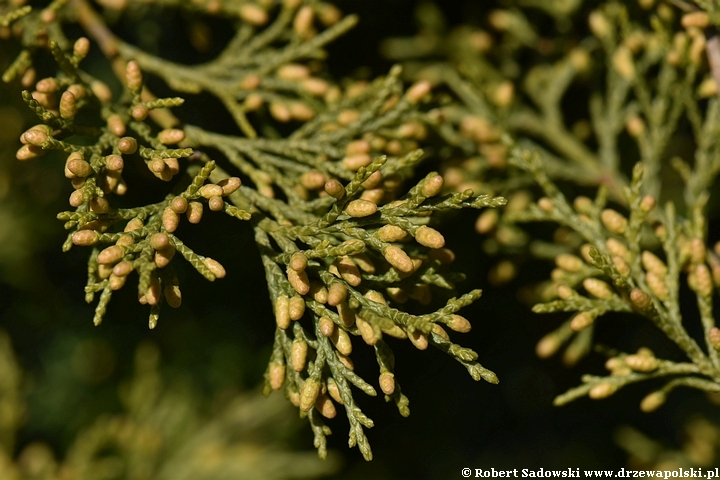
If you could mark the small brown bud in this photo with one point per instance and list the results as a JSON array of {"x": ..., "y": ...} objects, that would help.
[
  {"x": 170, "y": 136},
  {"x": 429, "y": 237},
  {"x": 114, "y": 163},
  {"x": 194, "y": 212},
  {"x": 282, "y": 311},
  {"x": 179, "y": 205},
  {"x": 170, "y": 220},
  {"x": 545, "y": 204},
  {"x": 293, "y": 71},
  {"x": 298, "y": 262},
  {"x": 140, "y": 112},
  {"x": 581, "y": 321},
  {"x": 641, "y": 363},
  {"x": 76, "y": 198},
  {"x": 229, "y": 185},
  {"x": 698, "y": 252},
  {"x": 348, "y": 270},
  {"x": 583, "y": 204},
  {"x": 569, "y": 262},
  {"x": 635, "y": 126},
  {"x": 657, "y": 286},
  {"x": 602, "y": 390},
  {"x": 68, "y": 105},
  {"x": 504, "y": 94},
  {"x": 486, "y": 221},
  {"x": 621, "y": 265},
  {"x": 296, "y": 307},
  {"x": 597, "y": 288},
  {"x": 336, "y": 294},
  {"x": 613, "y": 221},
  {"x": 366, "y": 331},
  {"x": 309, "y": 393},
  {"x": 215, "y": 267},
  {"x": 547, "y": 346},
  {"x": 253, "y": 14},
  {"x": 346, "y": 117},
  {"x": 134, "y": 224},
  {"x": 164, "y": 168},
  {"x": 640, "y": 299},
  {"x": 354, "y": 162},
  {"x": 652, "y": 401},
  {"x": 116, "y": 283},
  {"x": 111, "y": 255},
  {"x": 47, "y": 85},
  {"x": 104, "y": 271},
  {"x": 301, "y": 111},
  {"x": 81, "y": 47},
  {"x": 391, "y": 233},
  {"x": 133, "y": 76},
  {"x": 616, "y": 247},
  {"x": 341, "y": 340},
  {"x": 357, "y": 147},
  {"x": 328, "y": 14},
  {"x": 318, "y": 292},
  {"x": 419, "y": 339},
  {"x": 374, "y": 195},
  {"x": 459, "y": 323},
  {"x": 326, "y": 326},
  {"x": 276, "y": 375},
  {"x": 653, "y": 264},
  {"x": 315, "y": 86},
  {"x": 703, "y": 280},
  {"x": 398, "y": 258},
  {"x": 253, "y": 102},
  {"x": 85, "y": 238},
  {"x": 360, "y": 208},
  {"x": 335, "y": 189},
  {"x": 334, "y": 391},
  {"x": 216, "y": 204},
  {"x": 160, "y": 241},
  {"x": 376, "y": 297},
  {"x": 101, "y": 91},
  {"x": 280, "y": 111},
  {"x": 127, "y": 145},
  {"x": 418, "y": 91},
  {"x": 714, "y": 337},
  {"x": 37, "y": 135},
  {"x": 125, "y": 241},
  {"x": 78, "y": 167},
  {"x": 313, "y": 180},
  {"x": 325, "y": 406},
  {"x": 564, "y": 292},
  {"x": 387, "y": 383},
  {"x": 346, "y": 314},
  {"x": 122, "y": 269},
  {"x": 28, "y": 152},
  {"x": 437, "y": 329},
  {"x": 99, "y": 205},
  {"x": 647, "y": 203},
  {"x": 303, "y": 21},
  {"x": 298, "y": 355},
  {"x": 210, "y": 190},
  {"x": 697, "y": 19},
  {"x": 395, "y": 331}
]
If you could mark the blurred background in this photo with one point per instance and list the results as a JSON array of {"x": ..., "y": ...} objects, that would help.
[{"x": 185, "y": 395}]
